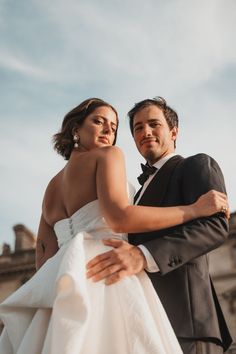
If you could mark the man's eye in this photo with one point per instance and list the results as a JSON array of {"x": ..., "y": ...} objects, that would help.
[{"x": 137, "y": 128}]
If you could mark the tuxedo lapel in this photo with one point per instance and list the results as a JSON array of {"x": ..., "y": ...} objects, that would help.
[
  {"x": 137, "y": 194},
  {"x": 156, "y": 190}
]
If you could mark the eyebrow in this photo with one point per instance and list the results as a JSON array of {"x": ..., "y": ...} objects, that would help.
[
  {"x": 100, "y": 116},
  {"x": 151, "y": 120}
]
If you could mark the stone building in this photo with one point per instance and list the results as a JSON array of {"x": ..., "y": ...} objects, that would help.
[{"x": 18, "y": 266}]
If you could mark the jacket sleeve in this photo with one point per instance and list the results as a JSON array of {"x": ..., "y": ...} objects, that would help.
[{"x": 183, "y": 243}]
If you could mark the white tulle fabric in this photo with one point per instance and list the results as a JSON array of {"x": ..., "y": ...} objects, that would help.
[{"x": 59, "y": 311}]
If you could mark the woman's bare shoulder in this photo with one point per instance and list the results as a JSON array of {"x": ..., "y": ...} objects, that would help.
[
  {"x": 54, "y": 181},
  {"x": 109, "y": 152},
  {"x": 51, "y": 188}
]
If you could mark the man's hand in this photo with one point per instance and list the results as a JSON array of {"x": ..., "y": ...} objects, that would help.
[{"x": 124, "y": 260}]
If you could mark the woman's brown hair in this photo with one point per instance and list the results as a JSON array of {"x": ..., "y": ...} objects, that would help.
[{"x": 63, "y": 140}]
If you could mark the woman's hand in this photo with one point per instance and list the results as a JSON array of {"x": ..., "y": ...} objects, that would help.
[{"x": 211, "y": 203}]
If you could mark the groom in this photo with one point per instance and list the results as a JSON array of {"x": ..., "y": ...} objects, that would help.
[{"x": 175, "y": 258}]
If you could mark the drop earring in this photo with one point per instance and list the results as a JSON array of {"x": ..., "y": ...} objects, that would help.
[{"x": 76, "y": 141}]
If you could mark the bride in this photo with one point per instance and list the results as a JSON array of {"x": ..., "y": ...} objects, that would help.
[{"x": 59, "y": 310}]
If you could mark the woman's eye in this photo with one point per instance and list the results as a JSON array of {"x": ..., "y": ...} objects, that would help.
[{"x": 97, "y": 121}]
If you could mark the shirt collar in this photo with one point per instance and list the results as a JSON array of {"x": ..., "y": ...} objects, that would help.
[{"x": 163, "y": 160}]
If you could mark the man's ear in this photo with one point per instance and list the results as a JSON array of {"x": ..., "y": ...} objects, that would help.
[{"x": 174, "y": 133}]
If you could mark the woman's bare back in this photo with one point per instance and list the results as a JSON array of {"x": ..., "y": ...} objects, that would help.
[{"x": 72, "y": 188}]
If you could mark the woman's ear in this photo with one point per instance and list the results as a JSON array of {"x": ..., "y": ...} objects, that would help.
[{"x": 75, "y": 130}]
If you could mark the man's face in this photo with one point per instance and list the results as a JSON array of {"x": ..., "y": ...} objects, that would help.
[{"x": 152, "y": 135}]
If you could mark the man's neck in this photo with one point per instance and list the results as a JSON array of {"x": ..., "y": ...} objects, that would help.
[{"x": 164, "y": 156}]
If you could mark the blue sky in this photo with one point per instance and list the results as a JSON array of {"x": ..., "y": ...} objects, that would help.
[{"x": 54, "y": 54}]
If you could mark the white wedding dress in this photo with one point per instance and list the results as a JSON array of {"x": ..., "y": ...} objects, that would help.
[{"x": 59, "y": 311}]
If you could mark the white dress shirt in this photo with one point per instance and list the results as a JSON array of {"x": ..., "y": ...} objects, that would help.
[{"x": 151, "y": 264}]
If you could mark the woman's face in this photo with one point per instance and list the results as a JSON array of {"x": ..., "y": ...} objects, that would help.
[{"x": 98, "y": 129}]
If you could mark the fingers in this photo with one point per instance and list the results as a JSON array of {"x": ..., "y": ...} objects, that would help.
[
  {"x": 99, "y": 258},
  {"x": 228, "y": 214},
  {"x": 225, "y": 209},
  {"x": 221, "y": 202},
  {"x": 100, "y": 268},
  {"x": 104, "y": 256},
  {"x": 107, "y": 272},
  {"x": 107, "y": 263},
  {"x": 123, "y": 260},
  {"x": 114, "y": 278},
  {"x": 217, "y": 194},
  {"x": 113, "y": 242}
]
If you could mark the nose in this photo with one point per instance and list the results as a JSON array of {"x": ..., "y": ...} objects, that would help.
[
  {"x": 147, "y": 130},
  {"x": 107, "y": 129}
]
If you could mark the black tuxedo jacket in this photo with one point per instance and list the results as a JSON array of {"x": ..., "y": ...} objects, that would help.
[{"x": 183, "y": 283}]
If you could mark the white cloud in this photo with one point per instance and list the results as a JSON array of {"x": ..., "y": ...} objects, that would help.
[
  {"x": 12, "y": 62},
  {"x": 190, "y": 40}
]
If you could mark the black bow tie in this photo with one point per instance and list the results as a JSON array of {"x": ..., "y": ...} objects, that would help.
[{"x": 147, "y": 171}]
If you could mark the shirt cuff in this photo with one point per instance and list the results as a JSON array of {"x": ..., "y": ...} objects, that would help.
[{"x": 152, "y": 267}]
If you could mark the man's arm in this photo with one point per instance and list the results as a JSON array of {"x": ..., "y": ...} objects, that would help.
[
  {"x": 180, "y": 244},
  {"x": 185, "y": 242}
]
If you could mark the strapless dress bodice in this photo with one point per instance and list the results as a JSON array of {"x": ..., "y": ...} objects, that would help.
[{"x": 87, "y": 220}]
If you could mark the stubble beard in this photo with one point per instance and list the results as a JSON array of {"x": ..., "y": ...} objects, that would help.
[{"x": 152, "y": 156}]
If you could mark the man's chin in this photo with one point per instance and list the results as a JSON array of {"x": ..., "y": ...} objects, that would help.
[{"x": 151, "y": 156}]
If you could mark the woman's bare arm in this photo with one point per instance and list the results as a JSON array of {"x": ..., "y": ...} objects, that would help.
[
  {"x": 122, "y": 217},
  {"x": 46, "y": 246}
]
